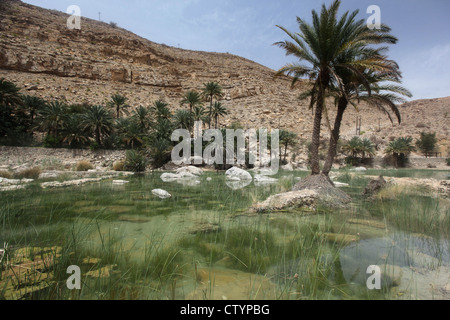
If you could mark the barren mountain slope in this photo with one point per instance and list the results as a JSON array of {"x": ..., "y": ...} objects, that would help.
[{"x": 39, "y": 53}]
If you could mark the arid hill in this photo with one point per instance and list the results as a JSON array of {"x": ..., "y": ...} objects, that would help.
[{"x": 40, "y": 54}]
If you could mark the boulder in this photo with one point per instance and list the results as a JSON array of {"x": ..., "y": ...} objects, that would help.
[
  {"x": 163, "y": 194},
  {"x": 288, "y": 167},
  {"x": 235, "y": 173},
  {"x": 360, "y": 169},
  {"x": 306, "y": 199},
  {"x": 375, "y": 186},
  {"x": 190, "y": 169},
  {"x": 49, "y": 175}
]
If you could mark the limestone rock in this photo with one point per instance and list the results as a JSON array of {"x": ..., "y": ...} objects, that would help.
[
  {"x": 235, "y": 173},
  {"x": 306, "y": 199},
  {"x": 163, "y": 194}
]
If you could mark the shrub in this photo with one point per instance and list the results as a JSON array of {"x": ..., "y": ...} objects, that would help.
[
  {"x": 448, "y": 161},
  {"x": 427, "y": 142},
  {"x": 135, "y": 161},
  {"x": 84, "y": 166},
  {"x": 119, "y": 166},
  {"x": 51, "y": 141},
  {"x": 29, "y": 173},
  {"x": 5, "y": 174}
]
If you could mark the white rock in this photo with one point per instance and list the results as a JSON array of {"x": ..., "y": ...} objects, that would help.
[
  {"x": 288, "y": 167},
  {"x": 190, "y": 169},
  {"x": 120, "y": 182},
  {"x": 48, "y": 175},
  {"x": 169, "y": 177},
  {"x": 209, "y": 179},
  {"x": 260, "y": 179},
  {"x": 340, "y": 184},
  {"x": 163, "y": 194},
  {"x": 360, "y": 169},
  {"x": 235, "y": 172}
]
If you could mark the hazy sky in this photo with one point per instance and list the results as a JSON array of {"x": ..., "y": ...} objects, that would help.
[{"x": 247, "y": 28}]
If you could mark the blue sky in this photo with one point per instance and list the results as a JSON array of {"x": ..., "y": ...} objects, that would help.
[{"x": 247, "y": 28}]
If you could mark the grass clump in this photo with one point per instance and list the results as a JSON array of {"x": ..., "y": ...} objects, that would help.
[
  {"x": 119, "y": 166},
  {"x": 29, "y": 173},
  {"x": 84, "y": 166},
  {"x": 135, "y": 161},
  {"x": 5, "y": 174}
]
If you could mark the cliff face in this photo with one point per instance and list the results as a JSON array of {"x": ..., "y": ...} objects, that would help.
[{"x": 39, "y": 53}]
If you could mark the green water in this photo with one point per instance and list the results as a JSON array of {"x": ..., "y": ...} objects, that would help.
[{"x": 204, "y": 243}]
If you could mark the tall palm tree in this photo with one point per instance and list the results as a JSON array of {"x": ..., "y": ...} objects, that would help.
[
  {"x": 182, "y": 119},
  {"x": 192, "y": 99},
  {"x": 212, "y": 90},
  {"x": 382, "y": 91},
  {"x": 218, "y": 110},
  {"x": 325, "y": 49},
  {"x": 99, "y": 121},
  {"x": 119, "y": 103},
  {"x": 52, "y": 117}
]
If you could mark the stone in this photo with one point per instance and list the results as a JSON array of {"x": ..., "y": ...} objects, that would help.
[
  {"x": 375, "y": 186},
  {"x": 163, "y": 194},
  {"x": 261, "y": 180},
  {"x": 120, "y": 182},
  {"x": 287, "y": 167},
  {"x": 360, "y": 169},
  {"x": 190, "y": 169},
  {"x": 48, "y": 175},
  {"x": 306, "y": 199},
  {"x": 235, "y": 173}
]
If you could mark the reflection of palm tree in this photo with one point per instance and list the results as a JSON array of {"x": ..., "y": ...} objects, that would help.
[
  {"x": 218, "y": 110},
  {"x": 332, "y": 47},
  {"x": 99, "y": 121},
  {"x": 212, "y": 90}
]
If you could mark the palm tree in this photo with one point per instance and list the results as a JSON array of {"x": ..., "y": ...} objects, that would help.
[
  {"x": 9, "y": 94},
  {"x": 193, "y": 99},
  {"x": 133, "y": 135},
  {"x": 73, "y": 133},
  {"x": 182, "y": 119},
  {"x": 218, "y": 110},
  {"x": 119, "y": 103},
  {"x": 99, "y": 121},
  {"x": 326, "y": 49},
  {"x": 380, "y": 92},
  {"x": 160, "y": 110},
  {"x": 353, "y": 147},
  {"x": 400, "y": 148},
  {"x": 141, "y": 117},
  {"x": 33, "y": 105},
  {"x": 212, "y": 90},
  {"x": 52, "y": 117}
]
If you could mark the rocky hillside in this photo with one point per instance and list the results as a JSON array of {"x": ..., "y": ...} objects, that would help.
[{"x": 40, "y": 54}]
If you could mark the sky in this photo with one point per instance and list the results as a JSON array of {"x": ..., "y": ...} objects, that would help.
[{"x": 247, "y": 28}]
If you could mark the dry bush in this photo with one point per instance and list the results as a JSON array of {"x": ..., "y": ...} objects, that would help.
[
  {"x": 5, "y": 174},
  {"x": 29, "y": 173},
  {"x": 84, "y": 166},
  {"x": 119, "y": 166}
]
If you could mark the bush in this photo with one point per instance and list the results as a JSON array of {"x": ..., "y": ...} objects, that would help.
[
  {"x": 51, "y": 141},
  {"x": 135, "y": 161},
  {"x": 5, "y": 174},
  {"x": 427, "y": 142},
  {"x": 29, "y": 173},
  {"x": 84, "y": 166},
  {"x": 448, "y": 161},
  {"x": 119, "y": 166}
]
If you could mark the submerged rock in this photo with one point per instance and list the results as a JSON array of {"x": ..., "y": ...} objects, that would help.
[
  {"x": 235, "y": 173},
  {"x": 260, "y": 180},
  {"x": 375, "y": 186},
  {"x": 190, "y": 169},
  {"x": 306, "y": 199},
  {"x": 163, "y": 194}
]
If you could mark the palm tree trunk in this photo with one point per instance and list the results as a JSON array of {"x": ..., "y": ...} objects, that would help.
[
  {"x": 315, "y": 142},
  {"x": 332, "y": 149},
  {"x": 210, "y": 113}
]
